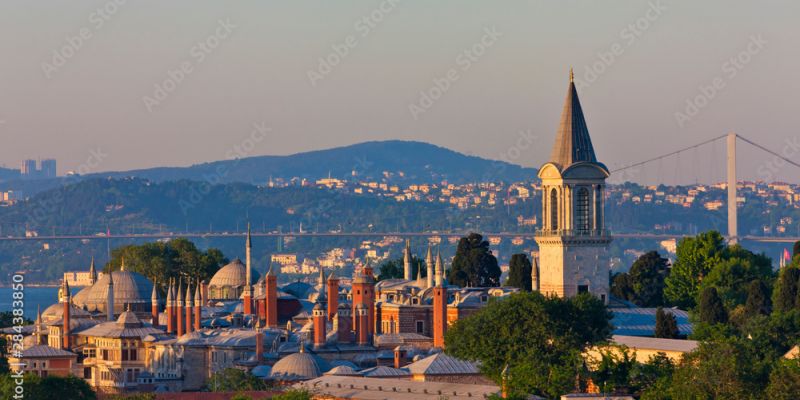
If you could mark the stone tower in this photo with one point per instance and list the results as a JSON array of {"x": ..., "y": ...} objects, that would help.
[{"x": 573, "y": 243}]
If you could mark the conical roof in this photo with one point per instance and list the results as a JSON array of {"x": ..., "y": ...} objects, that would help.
[{"x": 573, "y": 143}]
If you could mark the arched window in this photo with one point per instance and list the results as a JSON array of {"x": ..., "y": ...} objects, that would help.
[
  {"x": 582, "y": 223},
  {"x": 598, "y": 207},
  {"x": 553, "y": 210}
]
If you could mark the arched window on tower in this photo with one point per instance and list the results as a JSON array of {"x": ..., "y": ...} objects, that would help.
[
  {"x": 582, "y": 222},
  {"x": 553, "y": 210},
  {"x": 598, "y": 207}
]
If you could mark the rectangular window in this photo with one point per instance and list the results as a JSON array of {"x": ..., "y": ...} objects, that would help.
[
  {"x": 132, "y": 354},
  {"x": 87, "y": 373},
  {"x": 420, "y": 327},
  {"x": 124, "y": 354},
  {"x": 583, "y": 288}
]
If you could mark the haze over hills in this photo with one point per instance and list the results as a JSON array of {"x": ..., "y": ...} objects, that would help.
[{"x": 417, "y": 161}]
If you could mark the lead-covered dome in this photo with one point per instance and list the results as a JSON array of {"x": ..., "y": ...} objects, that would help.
[
  {"x": 130, "y": 288},
  {"x": 228, "y": 283},
  {"x": 299, "y": 367}
]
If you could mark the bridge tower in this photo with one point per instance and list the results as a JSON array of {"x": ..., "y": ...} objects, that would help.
[{"x": 733, "y": 228}]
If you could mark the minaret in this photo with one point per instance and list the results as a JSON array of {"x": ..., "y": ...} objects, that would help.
[
  {"x": 439, "y": 311},
  {"x": 439, "y": 279},
  {"x": 110, "y": 297},
  {"x": 321, "y": 283},
  {"x": 179, "y": 310},
  {"x": 333, "y": 296},
  {"x": 247, "y": 307},
  {"x": 429, "y": 266},
  {"x": 407, "y": 261},
  {"x": 154, "y": 305},
  {"x": 92, "y": 273},
  {"x": 198, "y": 304},
  {"x": 170, "y": 309},
  {"x": 534, "y": 274},
  {"x": 65, "y": 301},
  {"x": 271, "y": 299},
  {"x": 573, "y": 242},
  {"x": 39, "y": 336},
  {"x": 189, "y": 303}
]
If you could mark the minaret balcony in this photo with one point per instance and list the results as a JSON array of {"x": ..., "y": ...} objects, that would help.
[{"x": 573, "y": 233}]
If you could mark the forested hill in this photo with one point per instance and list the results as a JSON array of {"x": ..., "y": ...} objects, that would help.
[{"x": 404, "y": 161}]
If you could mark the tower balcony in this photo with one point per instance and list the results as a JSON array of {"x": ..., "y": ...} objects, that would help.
[{"x": 573, "y": 233}]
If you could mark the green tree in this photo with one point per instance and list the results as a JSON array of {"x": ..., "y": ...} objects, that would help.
[
  {"x": 757, "y": 298},
  {"x": 540, "y": 339},
  {"x": 519, "y": 272},
  {"x": 474, "y": 265},
  {"x": 647, "y": 275},
  {"x": 795, "y": 249},
  {"x": 294, "y": 394},
  {"x": 734, "y": 272},
  {"x": 784, "y": 380},
  {"x": 612, "y": 372},
  {"x": 622, "y": 287},
  {"x": 48, "y": 388},
  {"x": 177, "y": 258},
  {"x": 784, "y": 296},
  {"x": 712, "y": 311},
  {"x": 696, "y": 256},
  {"x": 241, "y": 396},
  {"x": 666, "y": 325},
  {"x": 234, "y": 380},
  {"x": 393, "y": 269},
  {"x": 651, "y": 379}
]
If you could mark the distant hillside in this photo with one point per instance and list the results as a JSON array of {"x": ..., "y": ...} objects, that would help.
[{"x": 407, "y": 161}]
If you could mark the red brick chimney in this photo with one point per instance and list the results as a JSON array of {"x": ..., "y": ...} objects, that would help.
[
  {"x": 179, "y": 310},
  {"x": 320, "y": 322},
  {"x": 154, "y": 305},
  {"x": 259, "y": 346},
  {"x": 344, "y": 324},
  {"x": 399, "y": 357},
  {"x": 362, "y": 325},
  {"x": 439, "y": 315},
  {"x": 198, "y": 304},
  {"x": 333, "y": 296},
  {"x": 170, "y": 308},
  {"x": 271, "y": 299}
]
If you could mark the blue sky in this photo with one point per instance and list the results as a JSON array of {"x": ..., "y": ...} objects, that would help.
[{"x": 151, "y": 83}]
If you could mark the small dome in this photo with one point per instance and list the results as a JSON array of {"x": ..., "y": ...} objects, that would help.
[
  {"x": 234, "y": 275},
  {"x": 299, "y": 367},
  {"x": 343, "y": 370},
  {"x": 129, "y": 320},
  {"x": 261, "y": 371},
  {"x": 79, "y": 298},
  {"x": 56, "y": 312}
]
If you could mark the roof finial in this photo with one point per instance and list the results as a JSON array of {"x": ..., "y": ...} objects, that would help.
[
  {"x": 122, "y": 264},
  {"x": 571, "y": 75}
]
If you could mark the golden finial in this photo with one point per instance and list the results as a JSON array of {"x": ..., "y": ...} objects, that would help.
[{"x": 571, "y": 75}]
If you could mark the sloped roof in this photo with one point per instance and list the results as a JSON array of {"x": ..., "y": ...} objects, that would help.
[
  {"x": 343, "y": 370},
  {"x": 350, "y": 387},
  {"x": 45, "y": 351},
  {"x": 442, "y": 364},
  {"x": 649, "y": 343},
  {"x": 384, "y": 371}
]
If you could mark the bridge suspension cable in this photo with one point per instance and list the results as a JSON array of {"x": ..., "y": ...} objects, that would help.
[
  {"x": 767, "y": 150},
  {"x": 668, "y": 154}
]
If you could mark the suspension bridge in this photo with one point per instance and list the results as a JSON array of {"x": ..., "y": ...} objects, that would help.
[{"x": 733, "y": 235}]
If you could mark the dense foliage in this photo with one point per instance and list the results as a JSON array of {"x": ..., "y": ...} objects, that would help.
[
  {"x": 539, "y": 338},
  {"x": 48, "y": 388},
  {"x": 519, "y": 272},
  {"x": 393, "y": 269},
  {"x": 161, "y": 261},
  {"x": 666, "y": 325},
  {"x": 643, "y": 285},
  {"x": 234, "y": 380},
  {"x": 474, "y": 265}
]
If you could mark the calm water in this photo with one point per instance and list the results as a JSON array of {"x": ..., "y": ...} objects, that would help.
[{"x": 33, "y": 296}]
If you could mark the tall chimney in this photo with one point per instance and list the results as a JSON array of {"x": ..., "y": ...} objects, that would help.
[
  {"x": 170, "y": 309},
  {"x": 362, "y": 325},
  {"x": 259, "y": 346},
  {"x": 271, "y": 299},
  {"x": 179, "y": 310},
  {"x": 197, "y": 307},
  {"x": 110, "y": 297},
  {"x": 320, "y": 322},
  {"x": 344, "y": 324},
  {"x": 248, "y": 287},
  {"x": 189, "y": 303},
  {"x": 439, "y": 315},
  {"x": 333, "y": 296},
  {"x": 65, "y": 301}
]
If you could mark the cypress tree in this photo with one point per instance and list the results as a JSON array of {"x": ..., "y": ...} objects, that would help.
[
  {"x": 519, "y": 272},
  {"x": 785, "y": 293},
  {"x": 757, "y": 298},
  {"x": 712, "y": 311},
  {"x": 796, "y": 249},
  {"x": 666, "y": 325}
]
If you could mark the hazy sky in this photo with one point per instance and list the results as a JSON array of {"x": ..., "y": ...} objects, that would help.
[{"x": 110, "y": 85}]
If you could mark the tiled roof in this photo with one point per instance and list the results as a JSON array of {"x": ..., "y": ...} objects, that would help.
[
  {"x": 442, "y": 364},
  {"x": 116, "y": 330},
  {"x": 44, "y": 351}
]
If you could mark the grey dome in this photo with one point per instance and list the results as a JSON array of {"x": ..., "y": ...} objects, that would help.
[
  {"x": 56, "y": 312},
  {"x": 233, "y": 275},
  {"x": 298, "y": 367},
  {"x": 79, "y": 298},
  {"x": 129, "y": 288}
]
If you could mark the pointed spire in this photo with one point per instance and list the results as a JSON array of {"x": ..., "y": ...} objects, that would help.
[
  {"x": 571, "y": 76},
  {"x": 122, "y": 264},
  {"x": 330, "y": 276},
  {"x": 573, "y": 143},
  {"x": 197, "y": 299},
  {"x": 438, "y": 267},
  {"x": 92, "y": 272},
  {"x": 269, "y": 271},
  {"x": 179, "y": 295},
  {"x": 154, "y": 296},
  {"x": 189, "y": 299}
]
